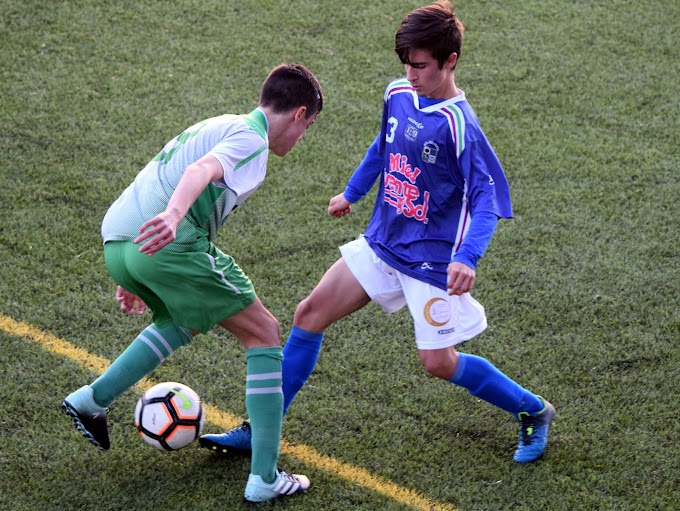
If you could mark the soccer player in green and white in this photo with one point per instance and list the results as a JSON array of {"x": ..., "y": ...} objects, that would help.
[{"x": 158, "y": 246}]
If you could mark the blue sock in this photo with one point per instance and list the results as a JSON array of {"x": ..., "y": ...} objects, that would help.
[
  {"x": 299, "y": 358},
  {"x": 483, "y": 380}
]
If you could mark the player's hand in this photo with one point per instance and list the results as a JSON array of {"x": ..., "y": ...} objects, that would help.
[
  {"x": 159, "y": 232},
  {"x": 461, "y": 278},
  {"x": 129, "y": 302},
  {"x": 339, "y": 206}
]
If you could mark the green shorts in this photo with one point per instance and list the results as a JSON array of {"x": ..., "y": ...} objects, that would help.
[{"x": 196, "y": 290}]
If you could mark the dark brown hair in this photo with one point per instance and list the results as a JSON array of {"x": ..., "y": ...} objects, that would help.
[
  {"x": 290, "y": 86},
  {"x": 435, "y": 28}
]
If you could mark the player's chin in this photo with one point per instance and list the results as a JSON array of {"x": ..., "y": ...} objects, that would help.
[{"x": 280, "y": 151}]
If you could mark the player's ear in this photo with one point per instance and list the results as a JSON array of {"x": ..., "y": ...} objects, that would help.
[
  {"x": 300, "y": 113},
  {"x": 451, "y": 61}
]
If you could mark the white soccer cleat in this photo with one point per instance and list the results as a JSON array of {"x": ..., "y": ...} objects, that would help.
[{"x": 284, "y": 484}]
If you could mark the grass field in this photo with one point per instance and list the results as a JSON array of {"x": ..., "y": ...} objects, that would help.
[{"x": 582, "y": 288}]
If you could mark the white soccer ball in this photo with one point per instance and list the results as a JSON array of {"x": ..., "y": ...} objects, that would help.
[{"x": 169, "y": 416}]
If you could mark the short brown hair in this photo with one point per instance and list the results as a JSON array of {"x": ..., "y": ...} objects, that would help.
[
  {"x": 290, "y": 86},
  {"x": 435, "y": 28}
]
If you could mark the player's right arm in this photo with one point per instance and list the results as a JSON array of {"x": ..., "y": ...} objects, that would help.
[
  {"x": 360, "y": 183},
  {"x": 161, "y": 230},
  {"x": 339, "y": 206},
  {"x": 365, "y": 175}
]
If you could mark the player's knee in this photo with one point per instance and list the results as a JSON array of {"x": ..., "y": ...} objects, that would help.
[
  {"x": 441, "y": 367},
  {"x": 307, "y": 315},
  {"x": 439, "y": 370},
  {"x": 185, "y": 334},
  {"x": 271, "y": 331}
]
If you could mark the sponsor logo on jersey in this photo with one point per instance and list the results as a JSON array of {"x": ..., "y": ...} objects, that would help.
[
  {"x": 404, "y": 195},
  {"x": 426, "y": 266},
  {"x": 399, "y": 164},
  {"x": 417, "y": 124},
  {"x": 411, "y": 133},
  {"x": 437, "y": 312}
]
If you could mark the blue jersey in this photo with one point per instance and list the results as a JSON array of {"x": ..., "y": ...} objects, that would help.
[{"x": 437, "y": 169}]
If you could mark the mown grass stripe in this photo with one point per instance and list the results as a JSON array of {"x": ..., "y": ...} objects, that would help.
[{"x": 226, "y": 420}]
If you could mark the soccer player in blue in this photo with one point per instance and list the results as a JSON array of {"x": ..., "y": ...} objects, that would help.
[{"x": 441, "y": 193}]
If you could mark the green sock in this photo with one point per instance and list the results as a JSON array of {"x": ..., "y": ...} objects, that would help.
[
  {"x": 264, "y": 403},
  {"x": 146, "y": 352}
]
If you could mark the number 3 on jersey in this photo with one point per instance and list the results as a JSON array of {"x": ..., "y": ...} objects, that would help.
[{"x": 392, "y": 121}]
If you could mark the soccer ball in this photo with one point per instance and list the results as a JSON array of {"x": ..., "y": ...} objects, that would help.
[{"x": 169, "y": 416}]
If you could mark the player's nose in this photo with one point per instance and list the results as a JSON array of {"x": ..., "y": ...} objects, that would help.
[{"x": 410, "y": 73}]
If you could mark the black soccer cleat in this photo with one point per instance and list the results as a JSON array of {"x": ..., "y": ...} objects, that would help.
[{"x": 88, "y": 416}]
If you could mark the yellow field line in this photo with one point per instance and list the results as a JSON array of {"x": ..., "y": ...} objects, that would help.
[{"x": 225, "y": 420}]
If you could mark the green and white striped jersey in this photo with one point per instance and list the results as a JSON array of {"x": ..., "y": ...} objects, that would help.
[{"x": 240, "y": 144}]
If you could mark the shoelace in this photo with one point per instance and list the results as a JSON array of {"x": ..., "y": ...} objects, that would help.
[
  {"x": 527, "y": 429},
  {"x": 288, "y": 477}
]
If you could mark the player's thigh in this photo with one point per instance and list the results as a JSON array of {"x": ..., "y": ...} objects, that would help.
[
  {"x": 337, "y": 295},
  {"x": 254, "y": 326},
  {"x": 115, "y": 257},
  {"x": 198, "y": 289},
  {"x": 208, "y": 288},
  {"x": 441, "y": 320},
  {"x": 378, "y": 279}
]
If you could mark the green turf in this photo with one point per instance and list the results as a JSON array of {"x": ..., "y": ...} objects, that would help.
[{"x": 582, "y": 289}]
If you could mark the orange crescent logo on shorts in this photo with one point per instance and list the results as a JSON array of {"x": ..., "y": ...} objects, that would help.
[{"x": 437, "y": 312}]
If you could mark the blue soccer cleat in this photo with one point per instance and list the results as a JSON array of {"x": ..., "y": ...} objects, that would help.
[
  {"x": 88, "y": 416},
  {"x": 533, "y": 433},
  {"x": 234, "y": 442},
  {"x": 284, "y": 484}
]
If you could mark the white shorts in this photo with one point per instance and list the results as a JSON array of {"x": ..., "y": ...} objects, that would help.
[{"x": 440, "y": 320}]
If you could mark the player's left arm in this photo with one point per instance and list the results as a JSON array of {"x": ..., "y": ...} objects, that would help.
[
  {"x": 488, "y": 195},
  {"x": 129, "y": 302},
  {"x": 461, "y": 271}
]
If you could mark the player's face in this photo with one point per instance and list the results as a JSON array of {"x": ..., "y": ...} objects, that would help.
[
  {"x": 293, "y": 134},
  {"x": 428, "y": 78}
]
